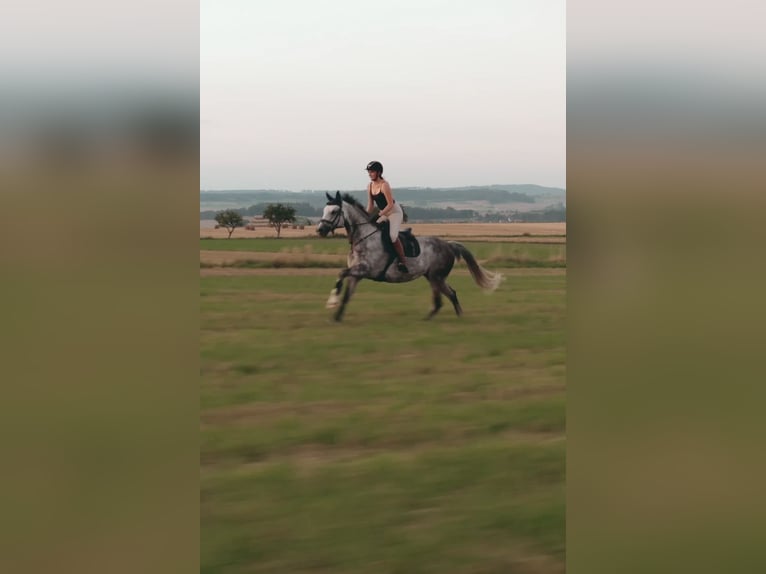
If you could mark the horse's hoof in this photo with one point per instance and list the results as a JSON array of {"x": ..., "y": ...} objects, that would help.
[{"x": 333, "y": 301}]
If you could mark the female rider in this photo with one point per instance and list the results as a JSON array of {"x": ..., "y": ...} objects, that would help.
[{"x": 379, "y": 193}]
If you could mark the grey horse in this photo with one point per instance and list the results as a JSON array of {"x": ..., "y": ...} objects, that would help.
[{"x": 372, "y": 255}]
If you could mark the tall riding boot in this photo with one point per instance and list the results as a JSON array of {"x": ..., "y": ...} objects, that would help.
[{"x": 400, "y": 252}]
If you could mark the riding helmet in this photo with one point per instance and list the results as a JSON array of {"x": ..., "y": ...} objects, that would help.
[{"x": 375, "y": 166}]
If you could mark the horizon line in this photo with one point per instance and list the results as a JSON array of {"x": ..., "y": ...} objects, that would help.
[{"x": 397, "y": 187}]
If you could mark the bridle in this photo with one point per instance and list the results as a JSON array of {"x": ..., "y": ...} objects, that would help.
[
  {"x": 354, "y": 226},
  {"x": 332, "y": 223}
]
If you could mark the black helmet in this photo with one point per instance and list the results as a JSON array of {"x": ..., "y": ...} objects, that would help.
[{"x": 375, "y": 166}]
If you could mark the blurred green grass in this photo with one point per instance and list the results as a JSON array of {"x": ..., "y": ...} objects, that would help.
[
  {"x": 385, "y": 443},
  {"x": 505, "y": 254},
  {"x": 335, "y": 245}
]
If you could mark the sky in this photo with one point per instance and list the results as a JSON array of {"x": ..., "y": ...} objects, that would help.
[{"x": 302, "y": 94}]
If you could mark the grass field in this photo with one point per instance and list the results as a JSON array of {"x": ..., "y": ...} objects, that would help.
[{"x": 385, "y": 444}]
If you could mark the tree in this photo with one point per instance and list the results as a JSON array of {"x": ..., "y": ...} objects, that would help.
[
  {"x": 230, "y": 219},
  {"x": 278, "y": 215}
]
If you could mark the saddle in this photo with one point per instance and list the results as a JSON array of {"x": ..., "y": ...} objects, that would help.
[{"x": 408, "y": 240}]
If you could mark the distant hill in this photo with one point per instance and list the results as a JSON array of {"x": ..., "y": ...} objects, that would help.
[{"x": 535, "y": 196}]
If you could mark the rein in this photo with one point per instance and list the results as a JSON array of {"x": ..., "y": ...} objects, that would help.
[{"x": 355, "y": 226}]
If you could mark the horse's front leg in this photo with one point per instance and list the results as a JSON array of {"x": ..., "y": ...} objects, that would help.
[
  {"x": 355, "y": 275},
  {"x": 333, "y": 301},
  {"x": 350, "y": 287}
]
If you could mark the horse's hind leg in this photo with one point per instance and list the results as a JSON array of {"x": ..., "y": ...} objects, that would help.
[
  {"x": 437, "y": 293},
  {"x": 452, "y": 296},
  {"x": 350, "y": 287}
]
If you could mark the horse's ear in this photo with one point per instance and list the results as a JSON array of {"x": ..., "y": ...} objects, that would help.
[
  {"x": 337, "y": 197},
  {"x": 329, "y": 197}
]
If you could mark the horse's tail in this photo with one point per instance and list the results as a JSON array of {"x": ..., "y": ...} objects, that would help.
[{"x": 485, "y": 279}]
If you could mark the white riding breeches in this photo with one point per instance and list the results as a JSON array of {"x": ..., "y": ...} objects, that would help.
[{"x": 395, "y": 221}]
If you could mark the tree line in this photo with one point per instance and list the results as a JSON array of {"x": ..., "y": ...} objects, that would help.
[
  {"x": 515, "y": 193},
  {"x": 278, "y": 215},
  {"x": 301, "y": 209},
  {"x": 556, "y": 213}
]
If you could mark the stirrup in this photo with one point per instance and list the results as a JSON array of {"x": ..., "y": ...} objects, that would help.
[{"x": 402, "y": 267}]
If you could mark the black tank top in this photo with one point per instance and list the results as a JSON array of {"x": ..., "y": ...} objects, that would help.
[{"x": 380, "y": 199}]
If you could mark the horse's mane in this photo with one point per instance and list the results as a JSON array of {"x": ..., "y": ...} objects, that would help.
[{"x": 348, "y": 198}]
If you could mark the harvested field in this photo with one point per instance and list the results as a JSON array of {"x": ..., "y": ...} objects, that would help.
[
  {"x": 488, "y": 231},
  {"x": 502, "y": 230}
]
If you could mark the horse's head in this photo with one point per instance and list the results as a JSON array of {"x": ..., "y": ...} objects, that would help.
[{"x": 332, "y": 216}]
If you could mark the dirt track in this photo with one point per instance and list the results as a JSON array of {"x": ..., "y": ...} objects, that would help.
[{"x": 315, "y": 271}]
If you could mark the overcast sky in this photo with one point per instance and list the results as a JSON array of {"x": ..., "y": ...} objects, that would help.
[{"x": 301, "y": 94}]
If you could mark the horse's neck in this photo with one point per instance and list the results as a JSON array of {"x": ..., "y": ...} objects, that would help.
[
  {"x": 355, "y": 221},
  {"x": 352, "y": 216}
]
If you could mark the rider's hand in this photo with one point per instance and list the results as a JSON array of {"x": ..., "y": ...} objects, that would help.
[{"x": 382, "y": 218}]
